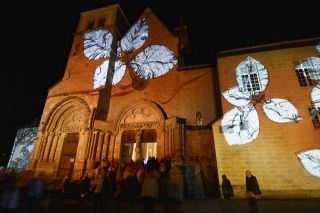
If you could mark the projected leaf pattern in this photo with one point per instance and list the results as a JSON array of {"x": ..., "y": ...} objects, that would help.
[
  {"x": 241, "y": 124},
  {"x": 280, "y": 110},
  {"x": 100, "y": 75},
  {"x": 136, "y": 36},
  {"x": 153, "y": 61},
  {"x": 97, "y": 44},
  {"x": 23, "y": 147},
  {"x": 315, "y": 95},
  {"x": 311, "y": 161},
  {"x": 312, "y": 65}
]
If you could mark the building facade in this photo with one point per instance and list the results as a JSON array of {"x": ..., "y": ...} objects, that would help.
[
  {"x": 154, "y": 108},
  {"x": 125, "y": 96},
  {"x": 270, "y": 125}
]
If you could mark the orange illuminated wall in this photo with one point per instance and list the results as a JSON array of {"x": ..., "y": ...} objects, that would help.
[{"x": 271, "y": 157}]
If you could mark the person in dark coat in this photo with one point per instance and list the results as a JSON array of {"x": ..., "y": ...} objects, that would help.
[
  {"x": 227, "y": 189},
  {"x": 253, "y": 190}
]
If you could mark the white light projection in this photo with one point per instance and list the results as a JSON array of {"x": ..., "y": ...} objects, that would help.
[
  {"x": 100, "y": 75},
  {"x": 315, "y": 95},
  {"x": 318, "y": 47},
  {"x": 252, "y": 76},
  {"x": 241, "y": 124},
  {"x": 280, "y": 110},
  {"x": 311, "y": 161},
  {"x": 97, "y": 44},
  {"x": 152, "y": 62},
  {"x": 136, "y": 36},
  {"x": 312, "y": 65},
  {"x": 22, "y": 148},
  {"x": 236, "y": 97}
]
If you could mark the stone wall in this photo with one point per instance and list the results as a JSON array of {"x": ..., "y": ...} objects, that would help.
[{"x": 272, "y": 155}]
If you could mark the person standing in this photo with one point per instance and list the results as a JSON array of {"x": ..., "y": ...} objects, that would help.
[
  {"x": 227, "y": 189},
  {"x": 253, "y": 190}
]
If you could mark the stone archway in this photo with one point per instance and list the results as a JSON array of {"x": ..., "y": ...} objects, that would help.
[
  {"x": 133, "y": 125},
  {"x": 66, "y": 120}
]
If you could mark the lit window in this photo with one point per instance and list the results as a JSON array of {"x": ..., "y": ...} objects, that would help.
[
  {"x": 308, "y": 71},
  {"x": 315, "y": 116},
  {"x": 250, "y": 83}
]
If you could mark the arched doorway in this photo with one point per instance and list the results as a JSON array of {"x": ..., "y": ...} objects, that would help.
[
  {"x": 68, "y": 155},
  {"x": 139, "y": 132},
  {"x": 139, "y": 144}
]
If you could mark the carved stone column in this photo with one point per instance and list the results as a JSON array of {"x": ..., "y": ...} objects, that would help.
[
  {"x": 83, "y": 146},
  {"x": 48, "y": 146},
  {"x": 54, "y": 146},
  {"x": 99, "y": 146},
  {"x": 38, "y": 142},
  {"x": 105, "y": 146}
]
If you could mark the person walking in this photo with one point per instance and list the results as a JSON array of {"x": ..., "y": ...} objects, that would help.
[{"x": 253, "y": 190}]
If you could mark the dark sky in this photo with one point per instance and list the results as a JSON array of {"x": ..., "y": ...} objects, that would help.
[{"x": 36, "y": 40}]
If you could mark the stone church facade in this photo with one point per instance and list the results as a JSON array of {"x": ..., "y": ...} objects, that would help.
[
  {"x": 171, "y": 114},
  {"x": 189, "y": 112}
]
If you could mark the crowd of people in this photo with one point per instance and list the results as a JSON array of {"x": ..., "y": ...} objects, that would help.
[{"x": 146, "y": 179}]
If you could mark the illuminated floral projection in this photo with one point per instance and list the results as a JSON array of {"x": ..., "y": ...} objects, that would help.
[
  {"x": 241, "y": 124},
  {"x": 151, "y": 62},
  {"x": 311, "y": 159},
  {"x": 22, "y": 148}
]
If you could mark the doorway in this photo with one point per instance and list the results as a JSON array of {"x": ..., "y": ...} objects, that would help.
[
  {"x": 68, "y": 155},
  {"x": 138, "y": 144}
]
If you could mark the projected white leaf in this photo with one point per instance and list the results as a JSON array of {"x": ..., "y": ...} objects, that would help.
[
  {"x": 23, "y": 146},
  {"x": 136, "y": 36},
  {"x": 236, "y": 97},
  {"x": 315, "y": 95},
  {"x": 311, "y": 161},
  {"x": 252, "y": 76},
  {"x": 97, "y": 44},
  {"x": 280, "y": 110},
  {"x": 100, "y": 74},
  {"x": 154, "y": 61},
  {"x": 318, "y": 47},
  {"x": 312, "y": 65},
  {"x": 240, "y": 125}
]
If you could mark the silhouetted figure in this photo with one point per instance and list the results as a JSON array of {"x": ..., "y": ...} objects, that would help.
[
  {"x": 227, "y": 189},
  {"x": 9, "y": 197},
  {"x": 253, "y": 190},
  {"x": 150, "y": 191},
  {"x": 35, "y": 191}
]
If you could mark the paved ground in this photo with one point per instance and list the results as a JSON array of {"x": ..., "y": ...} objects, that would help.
[{"x": 209, "y": 205}]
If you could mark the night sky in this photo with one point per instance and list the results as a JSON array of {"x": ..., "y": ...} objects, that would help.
[{"x": 37, "y": 38}]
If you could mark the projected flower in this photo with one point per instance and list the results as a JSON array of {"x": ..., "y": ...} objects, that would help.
[
  {"x": 241, "y": 124},
  {"x": 153, "y": 61},
  {"x": 311, "y": 70},
  {"x": 311, "y": 161}
]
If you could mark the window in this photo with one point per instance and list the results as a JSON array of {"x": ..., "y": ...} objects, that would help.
[
  {"x": 90, "y": 24},
  {"x": 101, "y": 22},
  {"x": 308, "y": 71},
  {"x": 250, "y": 82},
  {"x": 315, "y": 116},
  {"x": 303, "y": 76}
]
